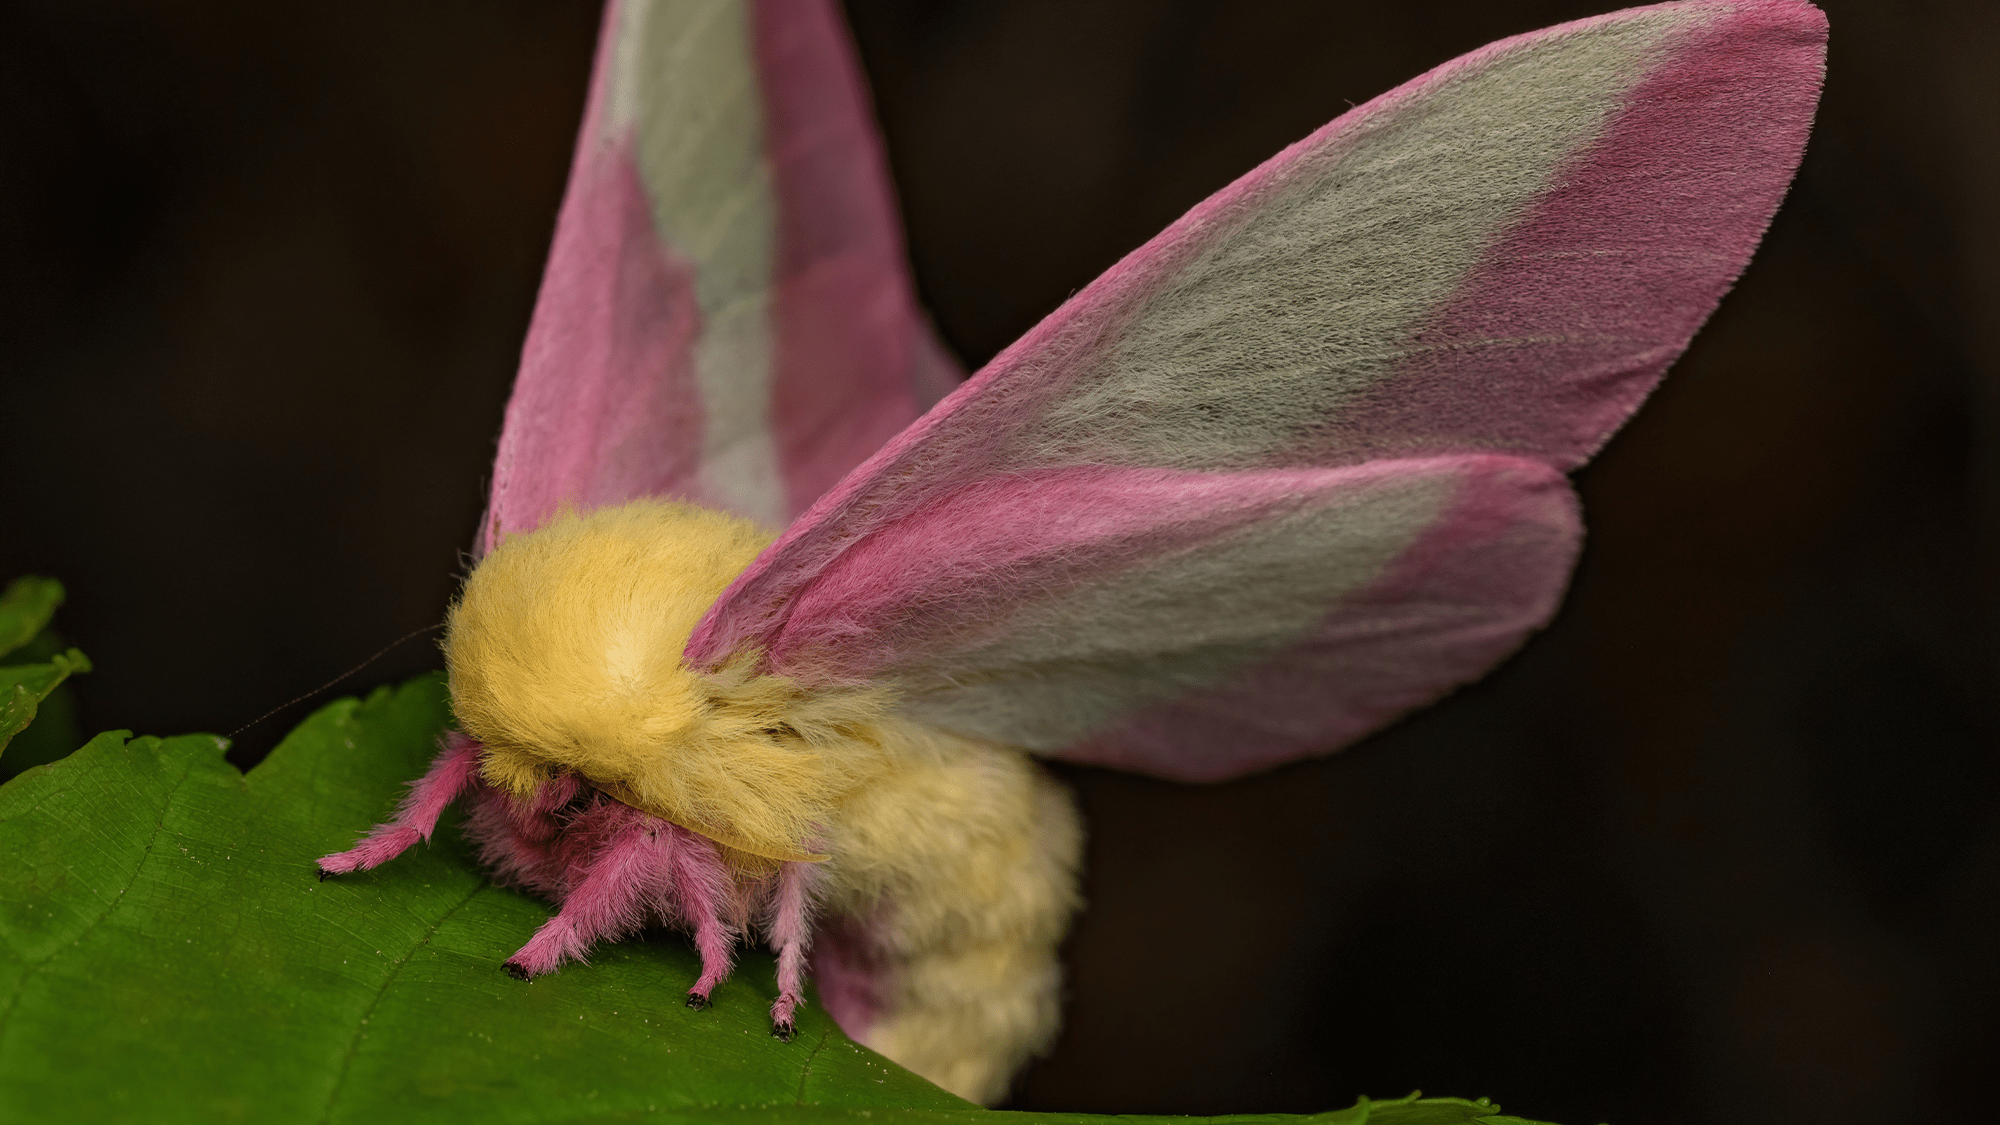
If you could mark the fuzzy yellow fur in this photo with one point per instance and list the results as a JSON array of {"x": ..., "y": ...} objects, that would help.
[
  {"x": 958, "y": 856},
  {"x": 963, "y": 860},
  {"x": 565, "y": 652}
]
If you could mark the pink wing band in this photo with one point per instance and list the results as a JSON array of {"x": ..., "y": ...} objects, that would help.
[
  {"x": 895, "y": 604},
  {"x": 850, "y": 343},
  {"x": 607, "y": 367},
  {"x": 605, "y": 407}
]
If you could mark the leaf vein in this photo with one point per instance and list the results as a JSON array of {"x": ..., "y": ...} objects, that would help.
[
  {"x": 805, "y": 1071},
  {"x": 145, "y": 854},
  {"x": 395, "y": 970}
]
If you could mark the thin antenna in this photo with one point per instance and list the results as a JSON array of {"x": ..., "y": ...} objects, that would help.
[{"x": 337, "y": 679}]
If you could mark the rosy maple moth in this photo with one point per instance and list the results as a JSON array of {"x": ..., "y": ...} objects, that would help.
[{"x": 1288, "y": 470}]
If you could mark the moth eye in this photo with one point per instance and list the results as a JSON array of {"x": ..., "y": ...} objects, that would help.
[{"x": 781, "y": 730}]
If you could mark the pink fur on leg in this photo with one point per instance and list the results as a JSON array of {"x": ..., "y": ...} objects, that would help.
[
  {"x": 610, "y": 899},
  {"x": 611, "y": 869},
  {"x": 698, "y": 887},
  {"x": 791, "y": 939},
  {"x": 416, "y": 817}
]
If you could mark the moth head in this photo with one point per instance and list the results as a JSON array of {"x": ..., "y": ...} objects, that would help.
[{"x": 565, "y": 654}]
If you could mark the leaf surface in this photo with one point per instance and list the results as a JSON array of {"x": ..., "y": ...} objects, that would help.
[
  {"x": 25, "y": 608},
  {"x": 23, "y": 687},
  {"x": 167, "y": 955}
]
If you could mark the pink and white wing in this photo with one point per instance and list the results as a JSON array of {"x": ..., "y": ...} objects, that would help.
[
  {"x": 726, "y": 315},
  {"x": 1296, "y": 465}
]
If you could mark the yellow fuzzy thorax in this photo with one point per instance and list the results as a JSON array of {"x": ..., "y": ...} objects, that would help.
[{"x": 565, "y": 654}]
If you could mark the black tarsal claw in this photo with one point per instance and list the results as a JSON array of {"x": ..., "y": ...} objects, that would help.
[
  {"x": 516, "y": 970},
  {"x": 697, "y": 1001},
  {"x": 784, "y": 1031}
]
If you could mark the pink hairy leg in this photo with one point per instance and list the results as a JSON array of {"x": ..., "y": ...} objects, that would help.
[
  {"x": 416, "y": 817},
  {"x": 609, "y": 901},
  {"x": 791, "y": 939},
  {"x": 698, "y": 889}
]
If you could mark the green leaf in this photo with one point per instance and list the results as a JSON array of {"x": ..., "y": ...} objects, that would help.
[
  {"x": 25, "y": 609},
  {"x": 23, "y": 687},
  {"x": 53, "y": 733},
  {"x": 1419, "y": 1110},
  {"x": 170, "y": 956},
  {"x": 33, "y": 687},
  {"x": 167, "y": 955}
]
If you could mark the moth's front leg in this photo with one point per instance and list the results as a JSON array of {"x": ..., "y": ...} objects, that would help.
[{"x": 451, "y": 772}]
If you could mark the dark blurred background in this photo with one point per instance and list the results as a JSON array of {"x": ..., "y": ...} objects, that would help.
[{"x": 1723, "y": 845}]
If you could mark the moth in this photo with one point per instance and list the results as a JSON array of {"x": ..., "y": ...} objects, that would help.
[{"x": 772, "y": 614}]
